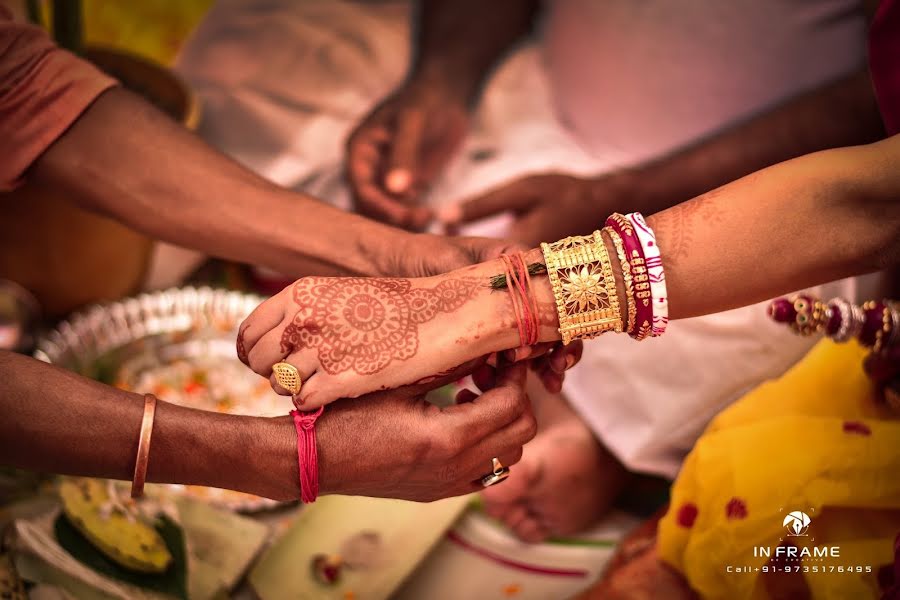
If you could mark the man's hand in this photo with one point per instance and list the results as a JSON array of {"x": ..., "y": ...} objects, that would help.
[
  {"x": 400, "y": 147},
  {"x": 424, "y": 255},
  {"x": 393, "y": 445},
  {"x": 547, "y": 207}
]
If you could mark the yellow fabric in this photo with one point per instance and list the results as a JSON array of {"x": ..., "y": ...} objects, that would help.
[
  {"x": 154, "y": 29},
  {"x": 814, "y": 440}
]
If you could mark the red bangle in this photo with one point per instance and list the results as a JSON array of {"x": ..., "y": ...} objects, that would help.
[
  {"x": 640, "y": 280},
  {"x": 307, "y": 454}
]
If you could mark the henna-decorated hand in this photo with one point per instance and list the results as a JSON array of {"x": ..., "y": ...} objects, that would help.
[
  {"x": 424, "y": 255},
  {"x": 351, "y": 336}
]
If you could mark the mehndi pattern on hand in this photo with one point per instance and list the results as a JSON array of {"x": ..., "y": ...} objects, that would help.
[{"x": 372, "y": 322}]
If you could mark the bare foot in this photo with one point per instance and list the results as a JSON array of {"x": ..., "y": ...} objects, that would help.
[{"x": 566, "y": 480}]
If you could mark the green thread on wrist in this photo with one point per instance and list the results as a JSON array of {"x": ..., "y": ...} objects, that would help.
[{"x": 498, "y": 282}]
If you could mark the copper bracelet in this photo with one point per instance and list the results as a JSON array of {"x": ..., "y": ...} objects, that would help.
[{"x": 143, "y": 451}]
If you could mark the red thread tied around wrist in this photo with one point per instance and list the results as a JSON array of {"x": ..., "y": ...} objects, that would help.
[
  {"x": 307, "y": 453},
  {"x": 518, "y": 282}
]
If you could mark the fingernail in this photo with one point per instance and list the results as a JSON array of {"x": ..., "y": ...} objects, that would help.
[
  {"x": 421, "y": 216},
  {"x": 552, "y": 382},
  {"x": 450, "y": 214},
  {"x": 570, "y": 360},
  {"x": 398, "y": 181}
]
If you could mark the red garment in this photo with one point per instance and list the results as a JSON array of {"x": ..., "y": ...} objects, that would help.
[
  {"x": 43, "y": 90},
  {"x": 884, "y": 62}
]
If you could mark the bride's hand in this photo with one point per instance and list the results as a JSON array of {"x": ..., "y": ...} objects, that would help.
[{"x": 349, "y": 336}]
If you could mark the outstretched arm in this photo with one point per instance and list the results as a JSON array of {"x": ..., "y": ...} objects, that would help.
[
  {"x": 552, "y": 206},
  {"x": 125, "y": 159},
  {"x": 806, "y": 221},
  {"x": 64, "y": 125},
  {"x": 56, "y": 421},
  {"x": 59, "y": 422}
]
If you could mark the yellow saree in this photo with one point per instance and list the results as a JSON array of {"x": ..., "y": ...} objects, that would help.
[{"x": 814, "y": 441}]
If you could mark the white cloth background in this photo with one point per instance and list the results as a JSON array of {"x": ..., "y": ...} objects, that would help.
[{"x": 284, "y": 82}]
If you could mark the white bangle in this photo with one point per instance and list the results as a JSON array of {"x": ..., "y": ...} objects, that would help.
[{"x": 656, "y": 273}]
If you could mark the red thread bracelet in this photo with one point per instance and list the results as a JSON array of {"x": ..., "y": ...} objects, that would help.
[
  {"x": 518, "y": 282},
  {"x": 307, "y": 453},
  {"x": 510, "y": 285},
  {"x": 532, "y": 305}
]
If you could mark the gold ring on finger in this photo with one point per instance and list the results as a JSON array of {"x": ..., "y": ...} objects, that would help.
[{"x": 288, "y": 377}]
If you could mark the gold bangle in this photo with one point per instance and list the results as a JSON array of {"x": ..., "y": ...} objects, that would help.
[
  {"x": 581, "y": 276},
  {"x": 884, "y": 333},
  {"x": 626, "y": 275}
]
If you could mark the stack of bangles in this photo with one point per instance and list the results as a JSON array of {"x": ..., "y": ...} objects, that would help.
[
  {"x": 584, "y": 285},
  {"x": 875, "y": 324}
]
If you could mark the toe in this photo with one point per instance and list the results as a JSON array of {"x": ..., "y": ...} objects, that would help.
[
  {"x": 516, "y": 516},
  {"x": 531, "y": 530},
  {"x": 516, "y": 486}
]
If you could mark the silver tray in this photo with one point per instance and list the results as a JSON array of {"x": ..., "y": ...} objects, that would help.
[{"x": 165, "y": 343}]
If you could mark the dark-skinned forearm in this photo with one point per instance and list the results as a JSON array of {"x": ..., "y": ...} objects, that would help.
[
  {"x": 458, "y": 41},
  {"x": 843, "y": 113},
  {"x": 58, "y": 422},
  {"x": 124, "y": 159},
  {"x": 808, "y": 221}
]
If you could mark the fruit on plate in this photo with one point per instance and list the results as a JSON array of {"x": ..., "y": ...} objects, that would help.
[{"x": 114, "y": 527}]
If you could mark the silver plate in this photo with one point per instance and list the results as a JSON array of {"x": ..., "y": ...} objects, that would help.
[{"x": 167, "y": 342}]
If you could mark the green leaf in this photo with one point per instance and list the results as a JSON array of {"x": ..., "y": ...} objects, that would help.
[{"x": 172, "y": 582}]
